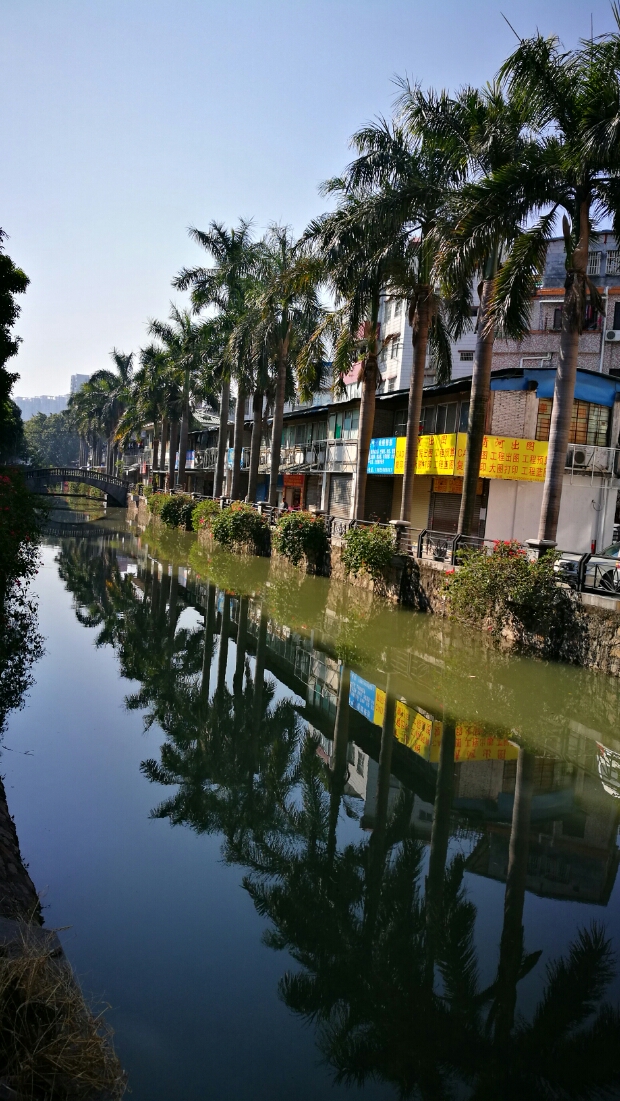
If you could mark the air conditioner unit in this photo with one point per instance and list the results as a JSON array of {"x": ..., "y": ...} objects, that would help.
[
  {"x": 612, "y": 335},
  {"x": 581, "y": 456}
]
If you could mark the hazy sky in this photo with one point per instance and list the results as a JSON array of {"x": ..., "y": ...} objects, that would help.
[{"x": 125, "y": 121}]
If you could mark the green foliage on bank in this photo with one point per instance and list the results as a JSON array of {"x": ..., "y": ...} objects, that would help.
[
  {"x": 368, "y": 549},
  {"x": 20, "y": 523},
  {"x": 203, "y": 513},
  {"x": 51, "y": 439},
  {"x": 174, "y": 509},
  {"x": 240, "y": 527},
  {"x": 301, "y": 535},
  {"x": 508, "y": 591}
]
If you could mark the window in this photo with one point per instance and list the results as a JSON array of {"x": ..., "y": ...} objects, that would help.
[
  {"x": 464, "y": 416},
  {"x": 428, "y": 418},
  {"x": 391, "y": 383},
  {"x": 594, "y": 263},
  {"x": 557, "y": 317},
  {"x": 589, "y": 423},
  {"x": 446, "y": 418},
  {"x": 394, "y": 349},
  {"x": 360, "y": 762},
  {"x": 613, "y": 262},
  {"x": 616, "y": 315},
  {"x": 466, "y": 357},
  {"x": 590, "y": 322},
  {"x": 400, "y": 422},
  {"x": 344, "y": 425},
  {"x": 388, "y": 309},
  {"x": 398, "y": 305}
]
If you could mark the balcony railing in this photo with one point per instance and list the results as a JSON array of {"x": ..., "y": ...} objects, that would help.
[
  {"x": 587, "y": 460},
  {"x": 330, "y": 455}
]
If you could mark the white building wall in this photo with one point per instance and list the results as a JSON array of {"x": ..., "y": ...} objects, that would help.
[{"x": 586, "y": 513}]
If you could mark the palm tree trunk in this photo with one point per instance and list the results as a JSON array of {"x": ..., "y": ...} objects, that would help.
[
  {"x": 222, "y": 657},
  {"x": 165, "y": 431},
  {"x": 339, "y": 769},
  {"x": 377, "y": 845},
  {"x": 222, "y": 442},
  {"x": 207, "y": 654},
  {"x": 184, "y": 433},
  {"x": 478, "y": 405},
  {"x": 440, "y": 836},
  {"x": 564, "y": 389},
  {"x": 511, "y": 945},
  {"x": 367, "y": 420},
  {"x": 235, "y": 491},
  {"x": 257, "y": 431},
  {"x": 242, "y": 642},
  {"x": 416, "y": 386},
  {"x": 174, "y": 435},
  {"x": 276, "y": 429}
]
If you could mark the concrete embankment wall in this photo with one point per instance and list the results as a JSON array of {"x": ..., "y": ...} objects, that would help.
[{"x": 420, "y": 584}]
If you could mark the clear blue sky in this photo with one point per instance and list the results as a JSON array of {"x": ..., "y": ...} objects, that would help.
[{"x": 125, "y": 121}]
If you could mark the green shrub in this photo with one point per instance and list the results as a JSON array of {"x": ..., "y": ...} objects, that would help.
[
  {"x": 300, "y": 534},
  {"x": 176, "y": 512},
  {"x": 147, "y": 491},
  {"x": 368, "y": 549},
  {"x": 203, "y": 513},
  {"x": 506, "y": 589},
  {"x": 240, "y": 526},
  {"x": 157, "y": 502}
]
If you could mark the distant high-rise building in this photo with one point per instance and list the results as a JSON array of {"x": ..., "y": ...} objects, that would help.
[
  {"x": 44, "y": 403},
  {"x": 77, "y": 381}
]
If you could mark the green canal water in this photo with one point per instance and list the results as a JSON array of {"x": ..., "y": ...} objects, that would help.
[{"x": 304, "y": 845}]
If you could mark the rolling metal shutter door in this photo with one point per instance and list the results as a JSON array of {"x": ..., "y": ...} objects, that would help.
[
  {"x": 313, "y": 491},
  {"x": 444, "y": 512},
  {"x": 378, "y": 500},
  {"x": 340, "y": 495}
]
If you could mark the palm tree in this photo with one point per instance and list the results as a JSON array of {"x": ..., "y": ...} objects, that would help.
[
  {"x": 356, "y": 244},
  {"x": 575, "y": 168},
  {"x": 486, "y": 130},
  {"x": 408, "y": 175},
  {"x": 184, "y": 343},
  {"x": 222, "y": 286},
  {"x": 286, "y": 306},
  {"x": 114, "y": 393}
]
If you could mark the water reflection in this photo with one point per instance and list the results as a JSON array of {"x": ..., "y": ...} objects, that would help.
[{"x": 294, "y": 710}]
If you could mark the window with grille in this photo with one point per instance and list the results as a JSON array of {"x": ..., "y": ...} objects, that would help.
[
  {"x": 613, "y": 262},
  {"x": 394, "y": 349},
  {"x": 594, "y": 263},
  {"x": 589, "y": 423},
  {"x": 466, "y": 357},
  {"x": 391, "y": 383}
]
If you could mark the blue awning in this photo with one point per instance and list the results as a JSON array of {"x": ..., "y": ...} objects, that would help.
[{"x": 598, "y": 389}]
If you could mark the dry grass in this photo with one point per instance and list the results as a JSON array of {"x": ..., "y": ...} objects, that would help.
[{"x": 52, "y": 1047}]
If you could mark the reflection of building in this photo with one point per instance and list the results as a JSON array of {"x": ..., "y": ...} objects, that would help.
[
  {"x": 572, "y": 851},
  {"x": 609, "y": 769}
]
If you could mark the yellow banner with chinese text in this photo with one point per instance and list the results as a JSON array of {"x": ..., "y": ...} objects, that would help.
[
  {"x": 435, "y": 455},
  {"x": 507, "y": 457},
  {"x": 423, "y": 736}
]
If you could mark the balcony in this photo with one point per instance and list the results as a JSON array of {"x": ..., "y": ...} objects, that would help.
[{"x": 329, "y": 455}]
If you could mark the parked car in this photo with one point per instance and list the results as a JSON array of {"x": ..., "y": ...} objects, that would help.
[{"x": 598, "y": 571}]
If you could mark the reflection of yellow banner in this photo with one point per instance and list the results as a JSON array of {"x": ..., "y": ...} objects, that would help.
[
  {"x": 472, "y": 744},
  {"x": 423, "y": 736},
  {"x": 379, "y": 707},
  {"x": 435, "y": 454},
  {"x": 507, "y": 457}
]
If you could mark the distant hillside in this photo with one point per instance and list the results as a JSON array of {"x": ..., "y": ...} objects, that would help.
[{"x": 45, "y": 403}]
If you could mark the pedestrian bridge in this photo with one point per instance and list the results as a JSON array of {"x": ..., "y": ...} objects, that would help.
[{"x": 39, "y": 478}]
